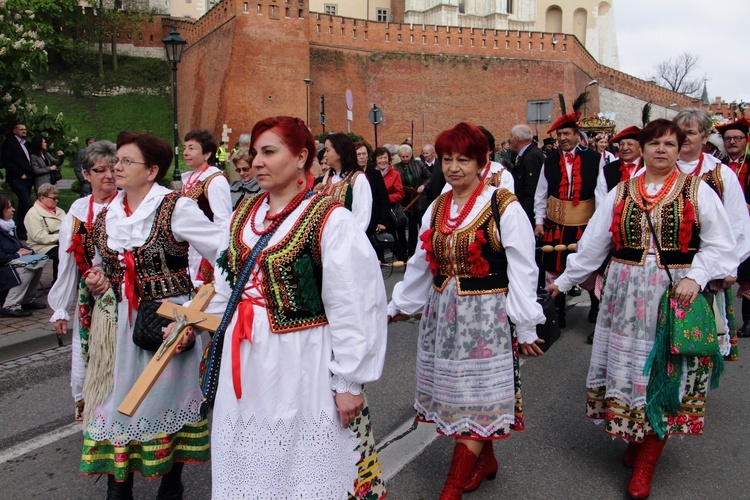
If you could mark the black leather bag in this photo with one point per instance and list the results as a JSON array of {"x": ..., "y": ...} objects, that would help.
[
  {"x": 383, "y": 240},
  {"x": 398, "y": 217},
  {"x": 550, "y": 330},
  {"x": 55, "y": 176},
  {"x": 147, "y": 333}
]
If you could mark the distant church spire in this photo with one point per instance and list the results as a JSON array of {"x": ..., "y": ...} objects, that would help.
[{"x": 704, "y": 95}]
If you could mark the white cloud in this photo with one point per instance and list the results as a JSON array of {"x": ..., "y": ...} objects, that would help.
[{"x": 651, "y": 31}]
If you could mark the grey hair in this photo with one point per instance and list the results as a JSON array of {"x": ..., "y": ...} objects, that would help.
[
  {"x": 429, "y": 146},
  {"x": 522, "y": 131},
  {"x": 690, "y": 116},
  {"x": 45, "y": 190},
  {"x": 405, "y": 148},
  {"x": 97, "y": 151},
  {"x": 244, "y": 140},
  {"x": 392, "y": 150}
]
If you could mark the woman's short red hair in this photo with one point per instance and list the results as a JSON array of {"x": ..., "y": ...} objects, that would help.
[
  {"x": 293, "y": 132},
  {"x": 465, "y": 139}
]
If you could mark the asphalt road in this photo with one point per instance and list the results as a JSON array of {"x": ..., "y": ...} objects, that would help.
[{"x": 560, "y": 455}]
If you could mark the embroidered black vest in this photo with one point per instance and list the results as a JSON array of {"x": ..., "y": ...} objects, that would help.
[
  {"x": 292, "y": 268},
  {"x": 80, "y": 236},
  {"x": 454, "y": 260},
  {"x": 715, "y": 181},
  {"x": 199, "y": 194},
  {"x": 342, "y": 191},
  {"x": 161, "y": 263},
  {"x": 635, "y": 234}
]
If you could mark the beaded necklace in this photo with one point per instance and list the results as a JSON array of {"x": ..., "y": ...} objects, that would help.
[
  {"x": 192, "y": 179},
  {"x": 277, "y": 218},
  {"x": 447, "y": 224},
  {"x": 645, "y": 201}
]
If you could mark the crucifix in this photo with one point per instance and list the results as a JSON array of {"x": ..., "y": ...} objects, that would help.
[{"x": 183, "y": 317}]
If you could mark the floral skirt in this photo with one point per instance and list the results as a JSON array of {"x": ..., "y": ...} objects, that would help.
[
  {"x": 151, "y": 458},
  {"x": 468, "y": 377},
  {"x": 368, "y": 485},
  {"x": 623, "y": 339}
]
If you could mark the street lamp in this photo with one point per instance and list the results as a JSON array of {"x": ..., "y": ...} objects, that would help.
[
  {"x": 173, "y": 46},
  {"x": 307, "y": 81},
  {"x": 585, "y": 104}
]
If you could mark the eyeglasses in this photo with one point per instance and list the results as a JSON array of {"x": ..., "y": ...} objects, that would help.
[
  {"x": 242, "y": 169},
  {"x": 735, "y": 138},
  {"x": 56, "y": 198},
  {"x": 126, "y": 162}
]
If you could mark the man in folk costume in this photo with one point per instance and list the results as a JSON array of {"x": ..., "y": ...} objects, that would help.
[
  {"x": 209, "y": 187},
  {"x": 564, "y": 198},
  {"x": 625, "y": 167},
  {"x": 734, "y": 135},
  {"x": 697, "y": 125}
]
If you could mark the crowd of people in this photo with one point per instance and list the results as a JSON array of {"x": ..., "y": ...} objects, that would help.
[{"x": 292, "y": 251}]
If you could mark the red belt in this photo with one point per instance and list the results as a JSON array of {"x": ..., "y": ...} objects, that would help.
[{"x": 243, "y": 330}]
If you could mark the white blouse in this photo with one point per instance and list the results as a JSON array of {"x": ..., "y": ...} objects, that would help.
[
  {"x": 410, "y": 295},
  {"x": 361, "y": 198}
]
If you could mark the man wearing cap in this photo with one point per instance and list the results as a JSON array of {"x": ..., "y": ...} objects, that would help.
[
  {"x": 564, "y": 200},
  {"x": 734, "y": 135},
  {"x": 623, "y": 168}
]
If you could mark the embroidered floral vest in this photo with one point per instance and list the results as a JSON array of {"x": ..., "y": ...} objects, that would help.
[
  {"x": 82, "y": 246},
  {"x": 342, "y": 190},
  {"x": 292, "y": 268},
  {"x": 459, "y": 259},
  {"x": 199, "y": 194},
  {"x": 161, "y": 263},
  {"x": 675, "y": 222}
]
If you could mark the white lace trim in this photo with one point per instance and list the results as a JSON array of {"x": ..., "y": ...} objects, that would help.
[
  {"x": 340, "y": 385},
  {"x": 143, "y": 429},
  {"x": 60, "y": 314},
  {"x": 451, "y": 428},
  {"x": 302, "y": 458}
]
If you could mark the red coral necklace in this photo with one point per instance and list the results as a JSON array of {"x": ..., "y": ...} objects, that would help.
[
  {"x": 278, "y": 217},
  {"x": 448, "y": 224},
  {"x": 645, "y": 201}
]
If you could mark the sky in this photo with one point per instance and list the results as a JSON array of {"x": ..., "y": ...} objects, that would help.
[{"x": 651, "y": 31}]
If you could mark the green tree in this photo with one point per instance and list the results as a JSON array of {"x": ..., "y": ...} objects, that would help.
[{"x": 116, "y": 15}]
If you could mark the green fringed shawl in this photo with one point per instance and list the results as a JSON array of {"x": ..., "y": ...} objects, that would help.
[{"x": 678, "y": 331}]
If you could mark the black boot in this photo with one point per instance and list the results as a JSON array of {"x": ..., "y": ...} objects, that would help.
[
  {"x": 594, "y": 310},
  {"x": 744, "y": 330},
  {"x": 171, "y": 485},
  {"x": 560, "y": 306},
  {"x": 120, "y": 491}
]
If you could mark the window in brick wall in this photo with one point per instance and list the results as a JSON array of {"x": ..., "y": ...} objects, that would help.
[
  {"x": 382, "y": 15},
  {"x": 330, "y": 8}
]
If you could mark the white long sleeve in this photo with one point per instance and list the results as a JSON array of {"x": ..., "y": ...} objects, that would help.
[
  {"x": 540, "y": 198},
  {"x": 362, "y": 201}
]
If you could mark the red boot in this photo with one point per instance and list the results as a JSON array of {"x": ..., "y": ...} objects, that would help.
[
  {"x": 644, "y": 466},
  {"x": 630, "y": 454},
  {"x": 461, "y": 467},
  {"x": 486, "y": 467}
]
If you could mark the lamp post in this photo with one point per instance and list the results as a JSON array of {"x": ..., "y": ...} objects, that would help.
[
  {"x": 585, "y": 104},
  {"x": 307, "y": 81},
  {"x": 173, "y": 46}
]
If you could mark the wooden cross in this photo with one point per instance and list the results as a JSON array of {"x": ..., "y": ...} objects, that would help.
[{"x": 183, "y": 316}]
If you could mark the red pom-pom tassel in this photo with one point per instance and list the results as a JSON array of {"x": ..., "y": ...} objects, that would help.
[
  {"x": 686, "y": 226},
  {"x": 426, "y": 238},
  {"x": 480, "y": 268},
  {"x": 615, "y": 227}
]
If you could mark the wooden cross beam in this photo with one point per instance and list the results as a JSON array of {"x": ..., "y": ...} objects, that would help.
[{"x": 183, "y": 316}]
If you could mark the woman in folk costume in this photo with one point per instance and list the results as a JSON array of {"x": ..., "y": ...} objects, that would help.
[
  {"x": 303, "y": 306},
  {"x": 734, "y": 137},
  {"x": 77, "y": 246},
  {"x": 142, "y": 239},
  {"x": 344, "y": 180},
  {"x": 696, "y": 242},
  {"x": 473, "y": 272},
  {"x": 697, "y": 125},
  {"x": 209, "y": 187}
]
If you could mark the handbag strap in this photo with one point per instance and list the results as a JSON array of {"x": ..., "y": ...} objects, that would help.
[
  {"x": 658, "y": 247},
  {"x": 213, "y": 363}
]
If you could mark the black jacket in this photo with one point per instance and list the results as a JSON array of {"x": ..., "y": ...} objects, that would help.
[
  {"x": 380, "y": 204},
  {"x": 420, "y": 176},
  {"x": 526, "y": 176},
  {"x": 15, "y": 161}
]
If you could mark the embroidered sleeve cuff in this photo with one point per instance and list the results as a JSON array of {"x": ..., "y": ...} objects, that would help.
[
  {"x": 340, "y": 385},
  {"x": 526, "y": 335},
  {"x": 699, "y": 276},
  {"x": 60, "y": 314}
]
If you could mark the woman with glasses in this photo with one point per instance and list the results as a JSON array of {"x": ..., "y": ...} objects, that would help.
[
  {"x": 247, "y": 185},
  {"x": 75, "y": 260},
  {"x": 42, "y": 224},
  {"x": 42, "y": 162},
  {"x": 209, "y": 187},
  {"x": 141, "y": 239}
]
